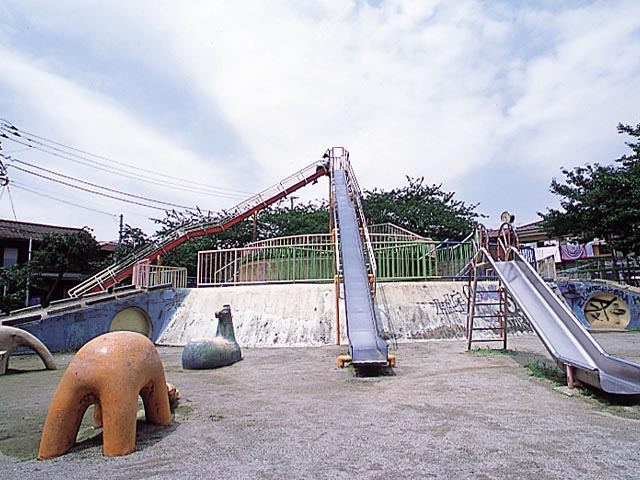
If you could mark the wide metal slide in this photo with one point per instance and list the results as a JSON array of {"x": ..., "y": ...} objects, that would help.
[
  {"x": 366, "y": 346},
  {"x": 566, "y": 339}
]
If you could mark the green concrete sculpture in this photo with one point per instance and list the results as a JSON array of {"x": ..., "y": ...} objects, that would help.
[{"x": 223, "y": 350}]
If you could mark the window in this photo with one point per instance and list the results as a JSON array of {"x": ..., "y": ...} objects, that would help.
[{"x": 10, "y": 257}]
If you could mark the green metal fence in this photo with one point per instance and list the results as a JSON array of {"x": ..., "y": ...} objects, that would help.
[
  {"x": 303, "y": 258},
  {"x": 400, "y": 256}
]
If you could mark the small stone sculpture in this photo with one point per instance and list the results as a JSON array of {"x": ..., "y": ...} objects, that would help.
[
  {"x": 12, "y": 338},
  {"x": 109, "y": 372},
  {"x": 203, "y": 353}
]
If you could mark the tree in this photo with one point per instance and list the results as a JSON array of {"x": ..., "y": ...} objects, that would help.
[
  {"x": 14, "y": 282},
  {"x": 425, "y": 210},
  {"x": 422, "y": 209},
  {"x": 74, "y": 252},
  {"x": 275, "y": 221},
  {"x": 601, "y": 201},
  {"x": 186, "y": 254},
  {"x": 132, "y": 239},
  {"x": 281, "y": 221}
]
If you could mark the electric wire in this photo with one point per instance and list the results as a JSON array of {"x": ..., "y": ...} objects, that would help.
[
  {"x": 13, "y": 208},
  {"x": 51, "y": 197},
  {"x": 115, "y": 171},
  {"x": 113, "y": 197},
  {"x": 188, "y": 185},
  {"x": 7, "y": 127},
  {"x": 84, "y": 182}
]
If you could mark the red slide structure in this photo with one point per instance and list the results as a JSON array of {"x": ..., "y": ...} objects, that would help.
[{"x": 117, "y": 272}]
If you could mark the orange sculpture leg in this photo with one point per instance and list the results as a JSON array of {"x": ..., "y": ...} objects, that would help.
[{"x": 110, "y": 371}]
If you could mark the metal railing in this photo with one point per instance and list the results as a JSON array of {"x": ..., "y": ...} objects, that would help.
[
  {"x": 407, "y": 260},
  {"x": 340, "y": 160},
  {"x": 146, "y": 275},
  {"x": 300, "y": 258},
  {"x": 311, "y": 258},
  {"x": 110, "y": 275}
]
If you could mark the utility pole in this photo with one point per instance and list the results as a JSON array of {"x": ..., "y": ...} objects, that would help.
[
  {"x": 121, "y": 231},
  {"x": 120, "y": 235},
  {"x": 26, "y": 299}
]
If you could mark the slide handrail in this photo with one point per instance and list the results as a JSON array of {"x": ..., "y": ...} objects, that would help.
[{"x": 122, "y": 269}]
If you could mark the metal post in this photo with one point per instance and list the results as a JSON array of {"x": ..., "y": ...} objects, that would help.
[
  {"x": 26, "y": 299},
  {"x": 336, "y": 282}
]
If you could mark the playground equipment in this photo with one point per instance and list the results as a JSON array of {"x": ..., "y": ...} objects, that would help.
[
  {"x": 119, "y": 271},
  {"x": 108, "y": 372},
  {"x": 223, "y": 350},
  {"x": 562, "y": 334},
  {"x": 355, "y": 266},
  {"x": 400, "y": 255},
  {"x": 12, "y": 338}
]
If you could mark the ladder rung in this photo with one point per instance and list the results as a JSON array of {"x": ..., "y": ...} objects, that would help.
[
  {"x": 497, "y": 339},
  {"x": 488, "y": 316},
  {"x": 487, "y": 328},
  {"x": 489, "y": 303}
]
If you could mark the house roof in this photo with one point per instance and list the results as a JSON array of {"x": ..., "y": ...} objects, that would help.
[
  {"x": 532, "y": 232},
  {"x": 13, "y": 230}
]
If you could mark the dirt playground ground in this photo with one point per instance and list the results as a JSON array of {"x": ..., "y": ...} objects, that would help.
[{"x": 291, "y": 413}]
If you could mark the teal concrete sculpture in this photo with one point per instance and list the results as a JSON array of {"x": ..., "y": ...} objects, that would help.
[{"x": 223, "y": 350}]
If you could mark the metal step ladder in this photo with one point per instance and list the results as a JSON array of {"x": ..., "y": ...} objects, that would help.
[{"x": 489, "y": 306}]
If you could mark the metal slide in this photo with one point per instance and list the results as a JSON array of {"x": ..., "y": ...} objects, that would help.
[
  {"x": 119, "y": 271},
  {"x": 568, "y": 342},
  {"x": 366, "y": 346}
]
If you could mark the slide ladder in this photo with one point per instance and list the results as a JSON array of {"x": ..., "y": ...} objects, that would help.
[
  {"x": 119, "y": 271},
  {"x": 355, "y": 265}
]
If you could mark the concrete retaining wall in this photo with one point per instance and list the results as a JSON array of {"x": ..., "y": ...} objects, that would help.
[
  {"x": 68, "y": 326},
  {"x": 286, "y": 315},
  {"x": 302, "y": 315}
]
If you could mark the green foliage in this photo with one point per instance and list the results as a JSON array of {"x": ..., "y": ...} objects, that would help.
[
  {"x": 493, "y": 351},
  {"x": 422, "y": 209},
  {"x": 132, "y": 239},
  {"x": 186, "y": 254},
  {"x": 72, "y": 252},
  {"x": 75, "y": 252},
  {"x": 601, "y": 201},
  {"x": 540, "y": 369},
  {"x": 425, "y": 210},
  {"x": 13, "y": 285},
  {"x": 281, "y": 220}
]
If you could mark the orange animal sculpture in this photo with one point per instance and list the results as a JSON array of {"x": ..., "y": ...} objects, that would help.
[{"x": 110, "y": 372}]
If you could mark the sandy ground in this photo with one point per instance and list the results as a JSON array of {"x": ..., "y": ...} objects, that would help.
[{"x": 291, "y": 413}]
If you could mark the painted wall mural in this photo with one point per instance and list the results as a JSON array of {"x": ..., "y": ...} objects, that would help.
[{"x": 603, "y": 306}]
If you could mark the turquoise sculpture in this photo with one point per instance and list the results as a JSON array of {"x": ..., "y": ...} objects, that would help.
[{"x": 206, "y": 353}]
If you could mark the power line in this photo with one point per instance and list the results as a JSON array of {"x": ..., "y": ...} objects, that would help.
[
  {"x": 187, "y": 185},
  {"x": 91, "y": 191},
  {"x": 116, "y": 171},
  {"x": 35, "y": 192},
  {"x": 161, "y": 202},
  {"x": 13, "y": 209}
]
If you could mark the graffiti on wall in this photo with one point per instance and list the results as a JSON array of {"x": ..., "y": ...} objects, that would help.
[
  {"x": 600, "y": 305},
  {"x": 449, "y": 304},
  {"x": 456, "y": 303}
]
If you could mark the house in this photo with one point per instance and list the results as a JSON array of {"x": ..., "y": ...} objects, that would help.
[{"x": 18, "y": 240}]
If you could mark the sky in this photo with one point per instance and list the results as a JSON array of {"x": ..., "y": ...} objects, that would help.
[{"x": 490, "y": 99}]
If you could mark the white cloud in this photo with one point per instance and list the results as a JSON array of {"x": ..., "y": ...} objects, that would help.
[
  {"x": 437, "y": 89},
  {"x": 75, "y": 116}
]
